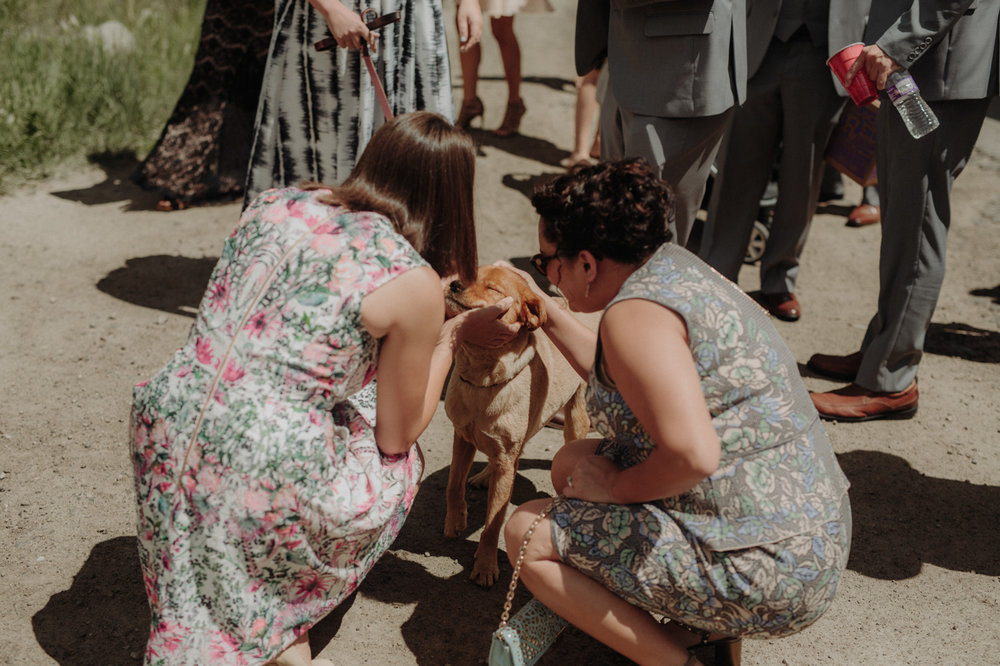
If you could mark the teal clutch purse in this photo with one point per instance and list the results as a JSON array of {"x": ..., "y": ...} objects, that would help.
[{"x": 522, "y": 639}]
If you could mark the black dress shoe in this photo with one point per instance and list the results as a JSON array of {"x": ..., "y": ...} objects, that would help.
[{"x": 784, "y": 306}]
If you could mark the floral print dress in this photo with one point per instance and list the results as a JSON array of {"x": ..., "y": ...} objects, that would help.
[
  {"x": 263, "y": 500},
  {"x": 756, "y": 549}
]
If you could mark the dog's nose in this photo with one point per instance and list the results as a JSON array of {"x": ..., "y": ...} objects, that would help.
[{"x": 455, "y": 286}]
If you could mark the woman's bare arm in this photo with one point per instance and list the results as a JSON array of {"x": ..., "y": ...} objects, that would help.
[
  {"x": 571, "y": 336},
  {"x": 417, "y": 351},
  {"x": 646, "y": 354}
]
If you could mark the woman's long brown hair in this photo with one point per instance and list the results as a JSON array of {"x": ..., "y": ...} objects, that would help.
[{"x": 418, "y": 171}]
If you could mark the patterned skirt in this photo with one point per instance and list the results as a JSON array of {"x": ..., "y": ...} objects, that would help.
[
  {"x": 645, "y": 557},
  {"x": 246, "y": 543}
]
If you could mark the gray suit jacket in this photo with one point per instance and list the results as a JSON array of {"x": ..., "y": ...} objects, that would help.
[
  {"x": 949, "y": 46},
  {"x": 677, "y": 58}
]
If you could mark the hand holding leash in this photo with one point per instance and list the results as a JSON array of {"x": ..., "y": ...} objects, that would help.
[
  {"x": 348, "y": 29},
  {"x": 369, "y": 21}
]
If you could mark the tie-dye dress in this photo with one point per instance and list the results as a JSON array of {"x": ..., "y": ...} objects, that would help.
[
  {"x": 262, "y": 498},
  {"x": 757, "y": 548},
  {"x": 318, "y": 109}
]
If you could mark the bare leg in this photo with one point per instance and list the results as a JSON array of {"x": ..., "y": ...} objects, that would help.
[
  {"x": 586, "y": 109},
  {"x": 298, "y": 654},
  {"x": 510, "y": 54},
  {"x": 472, "y": 106},
  {"x": 587, "y": 604},
  {"x": 470, "y": 72}
]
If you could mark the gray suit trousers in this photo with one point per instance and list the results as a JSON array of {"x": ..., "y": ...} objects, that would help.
[
  {"x": 915, "y": 180},
  {"x": 790, "y": 111},
  {"x": 682, "y": 150}
]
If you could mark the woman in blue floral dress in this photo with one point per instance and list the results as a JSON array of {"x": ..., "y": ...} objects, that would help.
[
  {"x": 264, "y": 495},
  {"x": 713, "y": 498}
]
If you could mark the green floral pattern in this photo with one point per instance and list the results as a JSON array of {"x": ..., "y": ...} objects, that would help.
[
  {"x": 263, "y": 500},
  {"x": 756, "y": 549}
]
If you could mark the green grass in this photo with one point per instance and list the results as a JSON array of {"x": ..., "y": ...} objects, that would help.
[{"x": 63, "y": 99}]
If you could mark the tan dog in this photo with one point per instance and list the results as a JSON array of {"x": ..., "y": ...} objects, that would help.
[{"x": 497, "y": 399}]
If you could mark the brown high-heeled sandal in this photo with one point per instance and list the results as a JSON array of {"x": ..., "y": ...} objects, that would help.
[
  {"x": 471, "y": 109},
  {"x": 511, "y": 119}
]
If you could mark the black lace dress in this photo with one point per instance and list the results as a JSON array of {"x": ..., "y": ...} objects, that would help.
[{"x": 204, "y": 149}]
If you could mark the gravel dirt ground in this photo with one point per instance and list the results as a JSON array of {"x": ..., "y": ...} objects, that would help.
[{"x": 99, "y": 289}]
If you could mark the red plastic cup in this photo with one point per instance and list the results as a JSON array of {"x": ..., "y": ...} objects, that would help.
[{"x": 862, "y": 89}]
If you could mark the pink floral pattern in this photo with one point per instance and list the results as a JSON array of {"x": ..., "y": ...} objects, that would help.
[{"x": 263, "y": 500}]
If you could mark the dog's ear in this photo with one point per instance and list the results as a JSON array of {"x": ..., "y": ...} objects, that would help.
[{"x": 532, "y": 313}]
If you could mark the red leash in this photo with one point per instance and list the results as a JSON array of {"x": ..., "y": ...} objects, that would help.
[{"x": 373, "y": 24}]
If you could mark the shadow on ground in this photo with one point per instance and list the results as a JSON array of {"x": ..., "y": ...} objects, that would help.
[
  {"x": 963, "y": 341},
  {"x": 103, "y": 617},
  {"x": 118, "y": 185},
  {"x": 526, "y": 184},
  {"x": 522, "y": 145},
  {"x": 162, "y": 282},
  {"x": 987, "y": 292},
  {"x": 904, "y": 519},
  {"x": 453, "y": 618}
]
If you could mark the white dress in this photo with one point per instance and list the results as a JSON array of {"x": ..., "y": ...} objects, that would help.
[{"x": 511, "y": 7}]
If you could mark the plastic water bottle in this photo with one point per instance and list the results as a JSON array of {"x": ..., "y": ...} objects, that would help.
[{"x": 905, "y": 96}]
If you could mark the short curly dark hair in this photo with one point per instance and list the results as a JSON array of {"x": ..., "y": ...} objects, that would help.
[{"x": 619, "y": 210}]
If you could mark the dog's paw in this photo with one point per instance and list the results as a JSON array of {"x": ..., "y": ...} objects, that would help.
[
  {"x": 485, "y": 574},
  {"x": 455, "y": 525}
]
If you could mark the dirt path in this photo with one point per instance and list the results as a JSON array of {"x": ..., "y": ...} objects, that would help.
[{"x": 99, "y": 290}]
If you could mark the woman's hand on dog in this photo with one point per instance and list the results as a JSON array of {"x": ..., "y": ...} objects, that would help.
[
  {"x": 482, "y": 326},
  {"x": 592, "y": 479}
]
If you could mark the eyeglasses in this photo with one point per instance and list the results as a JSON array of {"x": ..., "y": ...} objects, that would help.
[{"x": 541, "y": 262}]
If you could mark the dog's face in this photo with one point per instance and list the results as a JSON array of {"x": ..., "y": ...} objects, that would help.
[{"x": 492, "y": 285}]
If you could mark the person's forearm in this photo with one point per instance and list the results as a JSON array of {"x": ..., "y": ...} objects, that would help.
[
  {"x": 441, "y": 360},
  {"x": 331, "y": 10},
  {"x": 571, "y": 336},
  {"x": 648, "y": 483},
  {"x": 921, "y": 21}
]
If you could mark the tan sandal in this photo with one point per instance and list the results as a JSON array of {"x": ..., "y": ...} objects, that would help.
[
  {"x": 511, "y": 119},
  {"x": 471, "y": 109}
]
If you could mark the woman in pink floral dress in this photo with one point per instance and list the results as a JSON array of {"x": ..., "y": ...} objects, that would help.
[{"x": 264, "y": 494}]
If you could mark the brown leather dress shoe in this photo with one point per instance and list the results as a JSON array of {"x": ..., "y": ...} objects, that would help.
[
  {"x": 784, "y": 306},
  {"x": 844, "y": 368},
  {"x": 864, "y": 215},
  {"x": 854, "y": 403}
]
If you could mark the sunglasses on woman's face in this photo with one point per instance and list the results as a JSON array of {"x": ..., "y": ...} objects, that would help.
[{"x": 541, "y": 262}]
